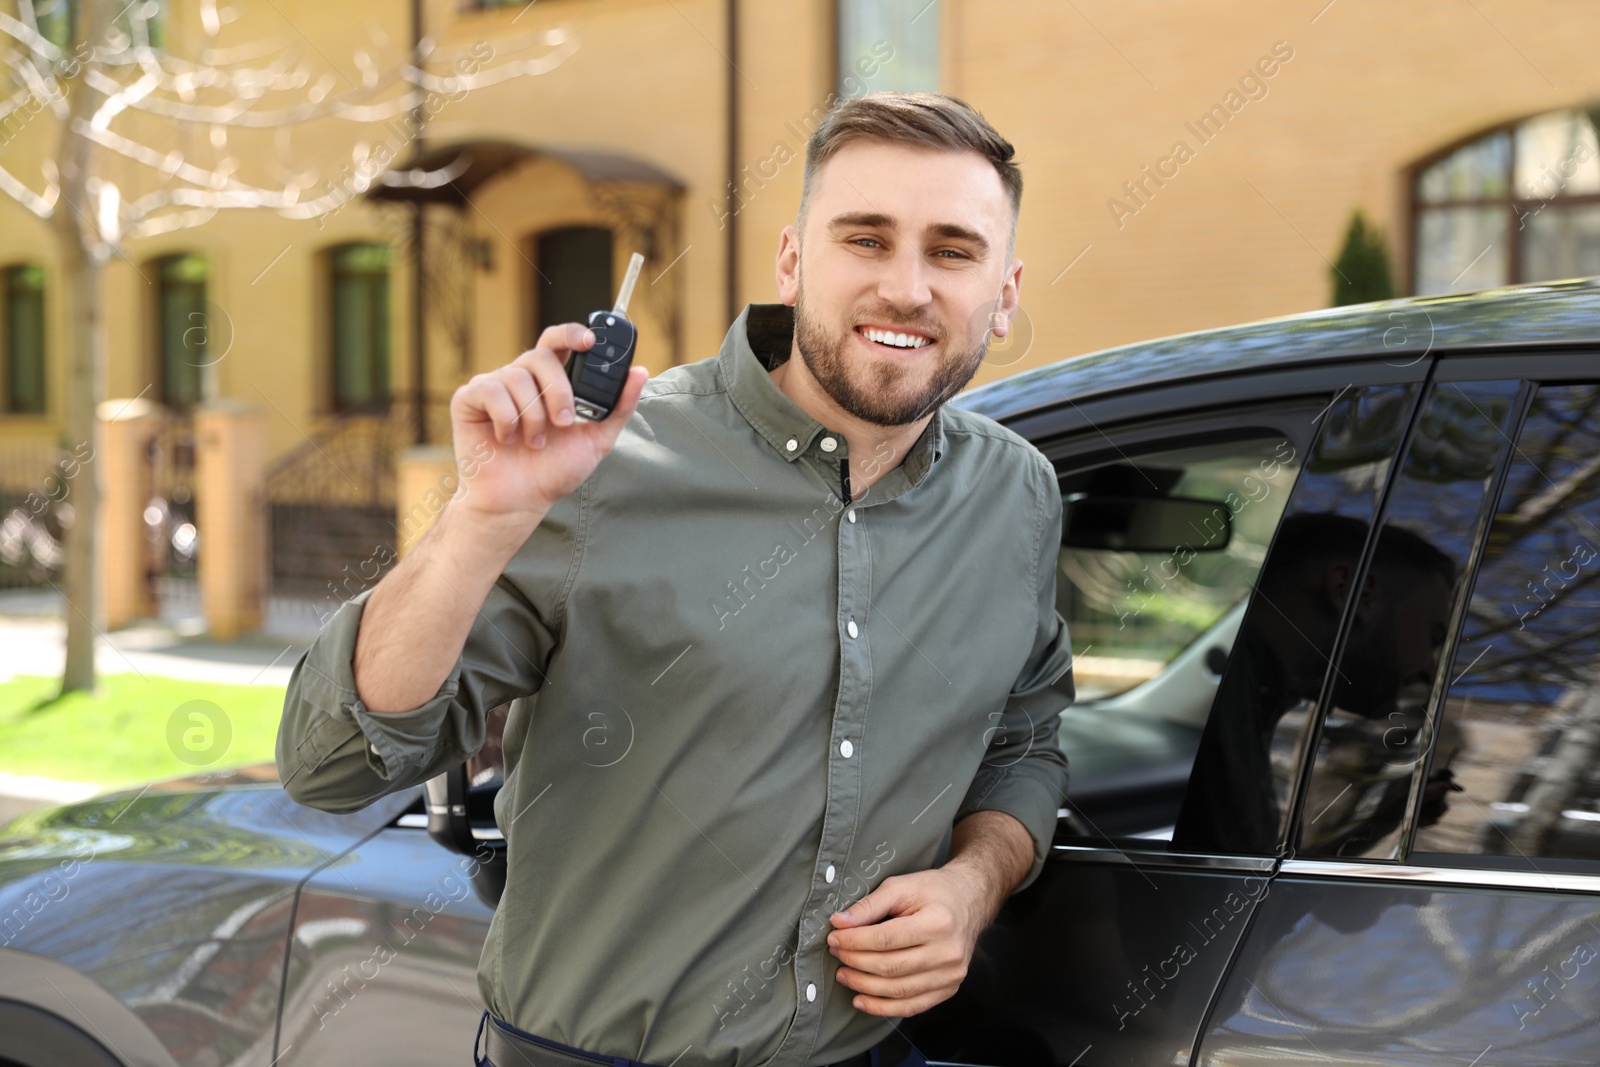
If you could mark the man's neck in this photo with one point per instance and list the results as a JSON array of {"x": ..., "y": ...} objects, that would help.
[{"x": 874, "y": 450}]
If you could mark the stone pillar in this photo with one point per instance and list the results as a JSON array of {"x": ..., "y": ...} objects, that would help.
[
  {"x": 128, "y": 429},
  {"x": 425, "y": 480},
  {"x": 231, "y": 512}
]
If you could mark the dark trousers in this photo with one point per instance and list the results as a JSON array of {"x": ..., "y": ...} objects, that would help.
[{"x": 893, "y": 1051}]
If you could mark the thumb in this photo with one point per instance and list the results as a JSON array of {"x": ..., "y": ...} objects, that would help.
[{"x": 873, "y": 907}]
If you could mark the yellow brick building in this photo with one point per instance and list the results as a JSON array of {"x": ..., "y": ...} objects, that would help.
[{"x": 1186, "y": 166}]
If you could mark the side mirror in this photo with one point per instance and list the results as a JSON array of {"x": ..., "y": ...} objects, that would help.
[
  {"x": 1145, "y": 524},
  {"x": 460, "y": 808}
]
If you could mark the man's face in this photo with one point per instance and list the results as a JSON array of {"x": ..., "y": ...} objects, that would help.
[{"x": 899, "y": 240}]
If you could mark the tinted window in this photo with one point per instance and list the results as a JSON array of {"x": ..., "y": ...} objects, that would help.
[
  {"x": 1519, "y": 734},
  {"x": 1398, "y": 611},
  {"x": 1238, "y": 797}
]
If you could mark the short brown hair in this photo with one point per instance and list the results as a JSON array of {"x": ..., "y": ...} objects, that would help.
[{"x": 930, "y": 120}]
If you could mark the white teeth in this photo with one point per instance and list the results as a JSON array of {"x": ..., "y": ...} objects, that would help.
[{"x": 898, "y": 340}]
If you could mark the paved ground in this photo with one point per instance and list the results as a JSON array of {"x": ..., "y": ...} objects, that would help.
[{"x": 32, "y": 641}]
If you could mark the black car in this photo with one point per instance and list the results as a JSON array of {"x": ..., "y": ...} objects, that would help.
[{"x": 1332, "y": 582}]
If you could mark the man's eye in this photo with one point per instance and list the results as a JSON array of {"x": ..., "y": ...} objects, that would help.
[
  {"x": 955, "y": 253},
  {"x": 873, "y": 241}
]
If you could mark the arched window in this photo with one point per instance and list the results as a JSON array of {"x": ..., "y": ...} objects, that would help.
[
  {"x": 182, "y": 328},
  {"x": 24, "y": 338},
  {"x": 1519, "y": 204},
  {"x": 572, "y": 275},
  {"x": 358, "y": 338}
]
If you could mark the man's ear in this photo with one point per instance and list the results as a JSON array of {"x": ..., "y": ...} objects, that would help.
[
  {"x": 786, "y": 269},
  {"x": 1010, "y": 299}
]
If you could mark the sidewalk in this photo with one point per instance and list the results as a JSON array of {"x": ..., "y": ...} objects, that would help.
[{"x": 33, "y": 641}]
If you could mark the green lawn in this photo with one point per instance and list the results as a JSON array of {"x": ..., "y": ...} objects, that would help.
[{"x": 136, "y": 729}]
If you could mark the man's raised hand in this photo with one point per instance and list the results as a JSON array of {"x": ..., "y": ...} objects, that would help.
[{"x": 521, "y": 417}]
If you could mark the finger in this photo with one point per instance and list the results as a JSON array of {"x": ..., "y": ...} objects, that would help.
[
  {"x": 895, "y": 963},
  {"x": 554, "y": 388},
  {"x": 485, "y": 399},
  {"x": 904, "y": 987},
  {"x": 565, "y": 337},
  {"x": 898, "y": 1009},
  {"x": 885, "y": 900},
  {"x": 524, "y": 390},
  {"x": 902, "y": 931}
]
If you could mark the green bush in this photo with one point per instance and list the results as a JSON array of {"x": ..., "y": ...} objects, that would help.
[{"x": 1362, "y": 271}]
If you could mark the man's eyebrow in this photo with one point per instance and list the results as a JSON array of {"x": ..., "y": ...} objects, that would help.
[
  {"x": 878, "y": 220},
  {"x": 872, "y": 219},
  {"x": 961, "y": 233}
]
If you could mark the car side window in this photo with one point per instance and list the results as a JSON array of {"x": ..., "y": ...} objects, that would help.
[
  {"x": 1239, "y": 796},
  {"x": 1515, "y": 763},
  {"x": 1398, "y": 593},
  {"x": 1159, "y": 551}
]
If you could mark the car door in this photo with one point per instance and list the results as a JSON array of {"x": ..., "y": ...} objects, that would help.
[
  {"x": 383, "y": 958},
  {"x": 1181, "y": 772},
  {"x": 1443, "y": 901}
]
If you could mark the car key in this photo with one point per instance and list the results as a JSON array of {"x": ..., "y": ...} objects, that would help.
[{"x": 598, "y": 374}]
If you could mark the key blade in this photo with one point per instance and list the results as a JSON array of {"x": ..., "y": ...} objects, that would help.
[{"x": 629, "y": 280}]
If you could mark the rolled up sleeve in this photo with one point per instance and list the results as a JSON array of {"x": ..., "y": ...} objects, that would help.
[
  {"x": 335, "y": 754},
  {"x": 1024, "y": 771}
]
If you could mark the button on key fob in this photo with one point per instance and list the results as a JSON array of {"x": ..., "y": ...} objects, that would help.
[{"x": 599, "y": 373}]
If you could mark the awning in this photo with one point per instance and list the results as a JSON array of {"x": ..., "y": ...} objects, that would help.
[{"x": 451, "y": 174}]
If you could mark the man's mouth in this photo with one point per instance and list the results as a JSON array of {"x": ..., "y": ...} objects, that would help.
[{"x": 906, "y": 340}]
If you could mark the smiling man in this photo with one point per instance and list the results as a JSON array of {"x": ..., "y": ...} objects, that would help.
[{"x": 779, "y": 638}]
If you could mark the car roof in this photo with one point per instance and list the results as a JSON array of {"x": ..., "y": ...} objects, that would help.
[{"x": 1545, "y": 313}]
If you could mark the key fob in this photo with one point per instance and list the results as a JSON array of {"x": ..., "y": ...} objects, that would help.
[{"x": 598, "y": 374}]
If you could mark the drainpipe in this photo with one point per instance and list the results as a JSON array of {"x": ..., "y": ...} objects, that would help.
[
  {"x": 732, "y": 250},
  {"x": 419, "y": 334}
]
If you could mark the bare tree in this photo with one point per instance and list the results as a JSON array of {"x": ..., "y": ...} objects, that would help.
[{"x": 118, "y": 118}]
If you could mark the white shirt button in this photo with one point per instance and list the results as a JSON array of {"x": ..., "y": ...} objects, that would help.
[
  {"x": 827, "y": 875},
  {"x": 829, "y": 444},
  {"x": 851, "y": 514},
  {"x": 811, "y": 991},
  {"x": 852, "y": 629},
  {"x": 792, "y": 445},
  {"x": 845, "y": 748}
]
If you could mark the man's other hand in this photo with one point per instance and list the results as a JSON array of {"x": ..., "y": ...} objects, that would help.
[{"x": 906, "y": 945}]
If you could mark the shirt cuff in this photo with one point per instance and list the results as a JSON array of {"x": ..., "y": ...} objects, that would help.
[
  {"x": 1030, "y": 794},
  {"x": 333, "y": 749}
]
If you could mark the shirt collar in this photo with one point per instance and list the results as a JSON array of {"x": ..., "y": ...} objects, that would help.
[{"x": 761, "y": 338}]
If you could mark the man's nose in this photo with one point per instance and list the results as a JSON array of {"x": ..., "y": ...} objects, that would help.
[{"x": 904, "y": 282}]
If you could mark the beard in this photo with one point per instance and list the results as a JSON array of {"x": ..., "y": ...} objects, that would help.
[{"x": 882, "y": 393}]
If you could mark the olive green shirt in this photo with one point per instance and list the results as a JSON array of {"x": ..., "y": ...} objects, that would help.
[{"x": 744, "y": 703}]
